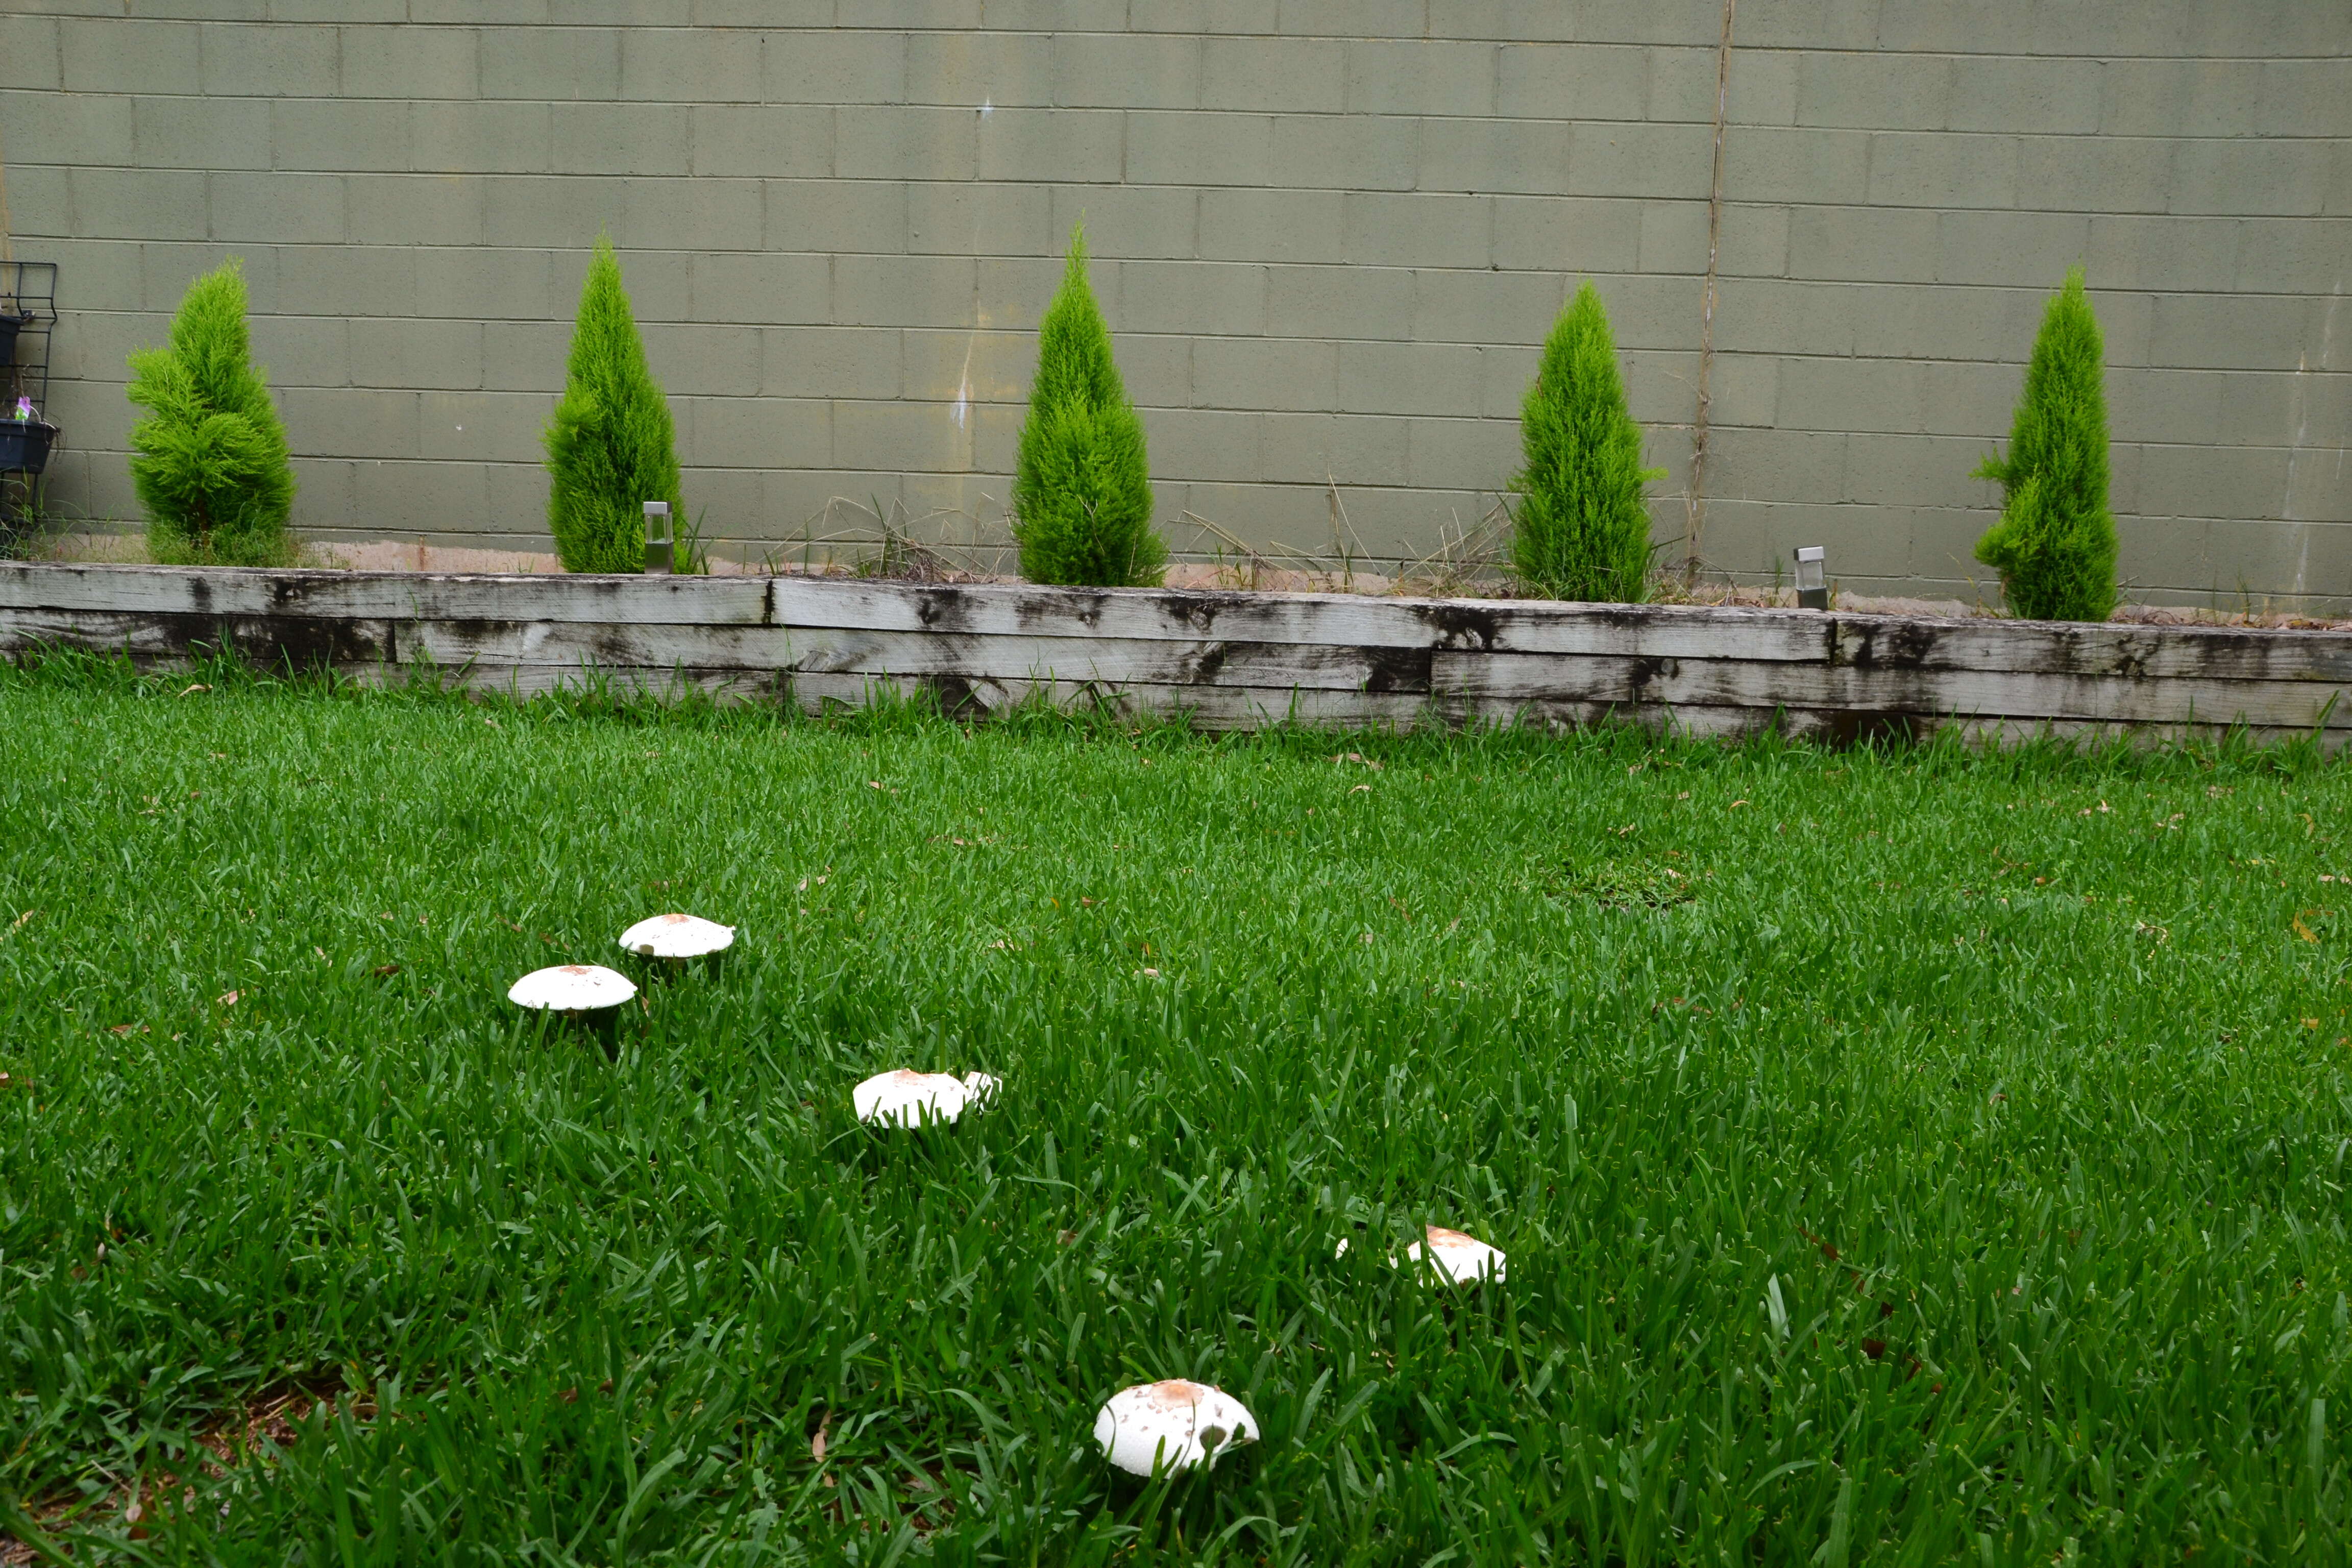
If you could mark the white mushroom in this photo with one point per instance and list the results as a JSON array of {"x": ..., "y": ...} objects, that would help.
[
  {"x": 979, "y": 1089},
  {"x": 905, "y": 1098},
  {"x": 1166, "y": 1427},
  {"x": 570, "y": 989},
  {"x": 1462, "y": 1259},
  {"x": 678, "y": 937}
]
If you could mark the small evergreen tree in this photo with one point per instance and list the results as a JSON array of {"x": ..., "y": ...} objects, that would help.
[
  {"x": 209, "y": 461},
  {"x": 2055, "y": 546},
  {"x": 1582, "y": 530},
  {"x": 612, "y": 446},
  {"x": 1082, "y": 492}
]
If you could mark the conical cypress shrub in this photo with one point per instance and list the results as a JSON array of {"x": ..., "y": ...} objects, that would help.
[
  {"x": 612, "y": 446},
  {"x": 2055, "y": 546},
  {"x": 209, "y": 461},
  {"x": 1082, "y": 492},
  {"x": 1582, "y": 531}
]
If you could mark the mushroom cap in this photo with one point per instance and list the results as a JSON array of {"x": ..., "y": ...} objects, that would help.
[
  {"x": 571, "y": 988},
  {"x": 1174, "y": 1424},
  {"x": 1463, "y": 1259},
  {"x": 906, "y": 1098},
  {"x": 678, "y": 936}
]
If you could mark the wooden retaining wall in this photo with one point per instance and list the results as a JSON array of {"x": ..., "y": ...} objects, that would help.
[{"x": 1229, "y": 659}]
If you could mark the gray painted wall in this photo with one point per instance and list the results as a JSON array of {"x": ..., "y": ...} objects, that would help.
[{"x": 1330, "y": 234}]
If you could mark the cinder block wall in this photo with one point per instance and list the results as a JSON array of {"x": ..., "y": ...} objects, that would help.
[{"x": 1331, "y": 235}]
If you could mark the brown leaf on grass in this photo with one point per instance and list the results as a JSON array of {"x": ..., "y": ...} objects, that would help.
[
  {"x": 816, "y": 1442},
  {"x": 128, "y": 1029},
  {"x": 193, "y": 687},
  {"x": 228, "y": 998},
  {"x": 384, "y": 971},
  {"x": 2303, "y": 931}
]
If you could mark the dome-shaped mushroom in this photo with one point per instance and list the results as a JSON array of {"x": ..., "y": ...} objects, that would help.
[
  {"x": 1462, "y": 1259},
  {"x": 1165, "y": 1427},
  {"x": 572, "y": 989},
  {"x": 678, "y": 938},
  {"x": 906, "y": 1098}
]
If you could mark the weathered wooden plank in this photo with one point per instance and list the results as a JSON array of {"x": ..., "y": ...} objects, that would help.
[
  {"x": 989, "y": 609},
  {"x": 2228, "y": 653},
  {"x": 278, "y": 642},
  {"x": 829, "y": 650},
  {"x": 1209, "y": 707},
  {"x": 174, "y": 590},
  {"x": 1919, "y": 692}
]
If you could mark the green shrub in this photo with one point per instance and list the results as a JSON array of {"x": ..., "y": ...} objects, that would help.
[
  {"x": 2055, "y": 546},
  {"x": 1582, "y": 530},
  {"x": 209, "y": 461},
  {"x": 1082, "y": 492},
  {"x": 612, "y": 446}
]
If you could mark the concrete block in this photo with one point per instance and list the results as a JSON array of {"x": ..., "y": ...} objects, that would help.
[
  {"x": 1506, "y": 21},
  {"x": 900, "y": 437},
  {"x": 1895, "y": 245},
  {"x": 2024, "y": 249},
  {"x": 2154, "y": 252},
  {"x": 1755, "y": 241},
  {"x": 1662, "y": 391},
  {"x": 1653, "y": 311},
  {"x": 2094, "y": 174},
  {"x": 964, "y": 71},
  {"x": 2181, "y": 97},
  {"x": 1970, "y": 397},
  {"x": 2010, "y": 93},
  {"x": 904, "y": 13},
  {"x": 967, "y": 367},
  {"x": 836, "y": 217},
  {"x": 1364, "y": 302},
  {"x": 1899, "y": 323},
  {"x": 2185, "y": 406},
  {"x": 1264, "y": 516},
  {"x": 333, "y": 133},
  {"x": 2339, "y": 184},
  {"x": 2236, "y": 331},
  {"x": 2213, "y": 482},
  {"x": 480, "y": 426},
  {"x": 1345, "y": 19},
  {"x": 1290, "y": 75},
  {"x": 1483, "y": 308},
  {"x": 2269, "y": 177},
  {"x": 830, "y": 361},
  {"x": 1573, "y": 81},
  {"x": 1524, "y": 157},
  {"x": 1464, "y": 453},
  {"x": 402, "y": 500},
  {"x": 1193, "y": 445},
  {"x": 1127, "y": 70},
  {"x": 243, "y": 61},
  {"x": 1873, "y": 90},
  {"x": 1406, "y": 75},
  {"x": 792, "y": 14},
  {"x": 1681, "y": 85},
  {"x": 1769, "y": 163},
  {"x": 2306, "y": 97},
  {"x": 1417, "y": 228},
  {"x": 107, "y": 273},
  {"x": 660, "y": 281},
  {"x": 1876, "y": 394},
  {"x": 70, "y": 128},
  {"x": 166, "y": 270},
  {"x": 301, "y": 350},
  {"x": 726, "y": 501},
  {"x": 438, "y": 355},
  {"x": 1674, "y": 236},
  {"x": 417, "y": 209},
  {"x": 1273, "y": 225},
  {"x": 1572, "y": 234},
  {"x": 867, "y": 67},
  {"x": 1942, "y": 169},
  {"x": 1774, "y": 316},
  {"x": 1910, "y": 469},
  {"x": 1158, "y": 370},
  {"x": 456, "y": 138},
  {"x": 771, "y": 140},
  {"x": 1762, "y": 89},
  {"x": 549, "y": 210},
  {"x": 109, "y": 204},
  {"x": 1775, "y": 465},
  {"x": 1167, "y": 148},
  {"x": 1207, "y": 17},
  {"x": 2291, "y": 256},
  {"x": 528, "y": 356},
  {"x": 30, "y": 55},
  {"x": 325, "y": 495},
  {"x": 691, "y": 64},
  {"x": 1743, "y": 390},
  {"x": 1348, "y": 448},
  {"x": 117, "y": 54},
  {"x": 705, "y": 360},
  {"x": 326, "y": 422},
  {"x": 758, "y": 286},
  {"x": 2126, "y": 320},
  {"x": 623, "y": 137},
  {"x": 409, "y": 62},
  {"x": 1642, "y": 160},
  {"x": 1264, "y": 372},
  {"x": 906, "y": 291},
  {"x": 1444, "y": 379},
  {"x": 552, "y": 63},
  {"x": 1147, "y": 222},
  {"x": 1807, "y": 25},
  {"x": 479, "y": 283},
  {"x": 1078, "y": 145},
  {"x": 906, "y": 144},
  {"x": 517, "y": 500},
  {"x": 706, "y": 213},
  {"x": 763, "y": 431},
  {"x": 1013, "y": 291}
]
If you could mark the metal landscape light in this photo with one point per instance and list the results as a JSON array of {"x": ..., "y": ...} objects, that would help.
[
  {"x": 1813, "y": 577},
  {"x": 661, "y": 553}
]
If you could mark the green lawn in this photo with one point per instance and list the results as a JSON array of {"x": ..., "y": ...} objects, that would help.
[{"x": 1902, "y": 1157}]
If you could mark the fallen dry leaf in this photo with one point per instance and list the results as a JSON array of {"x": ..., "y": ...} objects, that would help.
[
  {"x": 816, "y": 1444},
  {"x": 385, "y": 971},
  {"x": 194, "y": 687},
  {"x": 1361, "y": 789},
  {"x": 228, "y": 998},
  {"x": 128, "y": 1029}
]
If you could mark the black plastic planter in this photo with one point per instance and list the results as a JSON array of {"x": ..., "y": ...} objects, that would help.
[
  {"x": 9, "y": 327},
  {"x": 25, "y": 445}
]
